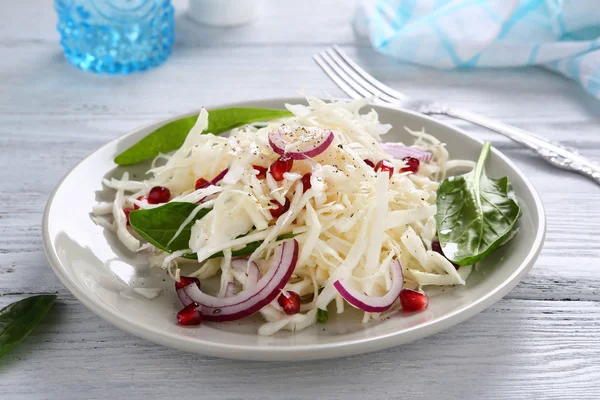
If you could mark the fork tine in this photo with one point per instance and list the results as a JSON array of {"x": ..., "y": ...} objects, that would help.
[
  {"x": 344, "y": 76},
  {"x": 369, "y": 78},
  {"x": 358, "y": 80},
  {"x": 349, "y": 84},
  {"x": 335, "y": 78}
]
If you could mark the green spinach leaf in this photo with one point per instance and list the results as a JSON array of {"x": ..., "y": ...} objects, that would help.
[
  {"x": 18, "y": 319},
  {"x": 159, "y": 225},
  {"x": 322, "y": 316},
  {"x": 475, "y": 213},
  {"x": 248, "y": 249},
  {"x": 172, "y": 135}
]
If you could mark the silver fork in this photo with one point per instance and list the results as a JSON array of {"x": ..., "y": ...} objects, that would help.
[{"x": 357, "y": 83}]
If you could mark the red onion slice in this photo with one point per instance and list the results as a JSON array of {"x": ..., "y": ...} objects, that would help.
[
  {"x": 214, "y": 181},
  {"x": 399, "y": 151},
  {"x": 301, "y": 142},
  {"x": 184, "y": 298},
  {"x": 230, "y": 289},
  {"x": 241, "y": 264},
  {"x": 369, "y": 303},
  {"x": 247, "y": 302},
  {"x": 220, "y": 176},
  {"x": 183, "y": 282}
]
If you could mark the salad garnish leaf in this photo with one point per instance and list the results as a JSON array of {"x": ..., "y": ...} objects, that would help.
[
  {"x": 18, "y": 319},
  {"x": 172, "y": 135},
  {"x": 322, "y": 315},
  {"x": 475, "y": 213},
  {"x": 248, "y": 249},
  {"x": 159, "y": 225}
]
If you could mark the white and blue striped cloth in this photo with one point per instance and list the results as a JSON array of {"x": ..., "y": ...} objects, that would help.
[{"x": 563, "y": 35}]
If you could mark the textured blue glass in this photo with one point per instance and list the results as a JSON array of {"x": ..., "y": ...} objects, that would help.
[{"x": 116, "y": 36}]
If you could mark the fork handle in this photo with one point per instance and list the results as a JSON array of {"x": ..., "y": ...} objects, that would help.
[{"x": 552, "y": 152}]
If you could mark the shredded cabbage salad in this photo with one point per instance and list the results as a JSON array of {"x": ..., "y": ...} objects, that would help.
[{"x": 350, "y": 225}]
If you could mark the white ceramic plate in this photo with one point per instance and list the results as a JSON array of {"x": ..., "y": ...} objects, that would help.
[{"x": 101, "y": 273}]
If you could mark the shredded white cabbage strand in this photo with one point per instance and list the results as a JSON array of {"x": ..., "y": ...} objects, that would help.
[{"x": 351, "y": 223}]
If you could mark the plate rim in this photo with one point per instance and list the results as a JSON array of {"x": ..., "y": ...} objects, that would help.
[{"x": 305, "y": 351}]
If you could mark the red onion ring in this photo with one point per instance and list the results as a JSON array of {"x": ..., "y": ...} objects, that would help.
[
  {"x": 220, "y": 176},
  {"x": 241, "y": 265},
  {"x": 214, "y": 181},
  {"x": 230, "y": 289},
  {"x": 183, "y": 282},
  {"x": 247, "y": 302},
  {"x": 313, "y": 148},
  {"x": 369, "y": 303},
  {"x": 399, "y": 151},
  {"x": 184, "y": 298}
]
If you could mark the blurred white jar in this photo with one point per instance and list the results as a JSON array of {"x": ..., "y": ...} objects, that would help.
[{"x": 224, "y": 12}]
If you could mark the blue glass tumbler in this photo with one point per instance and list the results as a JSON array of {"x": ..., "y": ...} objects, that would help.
[{"x": 116, "y": 36}]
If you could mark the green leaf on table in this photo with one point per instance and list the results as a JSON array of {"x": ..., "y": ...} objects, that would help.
[
  {"x": 172, "y": 135},
  {"x": 159, "y": 225},
  {"x": 18, "y": 319},
  {"x": 475, "y": 213}
]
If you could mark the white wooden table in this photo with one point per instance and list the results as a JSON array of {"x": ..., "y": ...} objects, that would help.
[{"x": 541, "y": 341}]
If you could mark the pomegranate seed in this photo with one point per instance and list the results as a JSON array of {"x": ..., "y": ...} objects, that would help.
[
  {"x": 385, "y": 165},
  {"x": 290, "y": 302},
  {"x": 159, "y": 194},
  {"x": 280, "y": 166},
  {"x": 413, "y": 301},
  {"x": 437, "y": 247},
  {"x": 186, "y": 281},
  {"x": 262, "y": 171},
  {"x": 277, "y": 212},
  {"x": 412, "y": 165},
  {"x": 201, "y": 183},
  {"x": 127, "y": 211},
  {"x": 189, "y": 315},
  {"x": 369, "y": 163},
  {"x": 141, "y": 198},
  {"x": 306, "y": 182}
]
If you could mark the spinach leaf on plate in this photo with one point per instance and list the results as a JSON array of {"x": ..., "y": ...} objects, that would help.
[
  {"x": 322, "y": 315},
  {"x": 248, "y": 249},
  {"x": 475, "y": 213},
  {"x": 172, "y": 135},
  {"x": 159, "y": 225},
  {"x": 18, "y": 319}
]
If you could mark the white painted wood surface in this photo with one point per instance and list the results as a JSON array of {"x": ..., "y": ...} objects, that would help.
[{"x": 541, "y": 341}]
